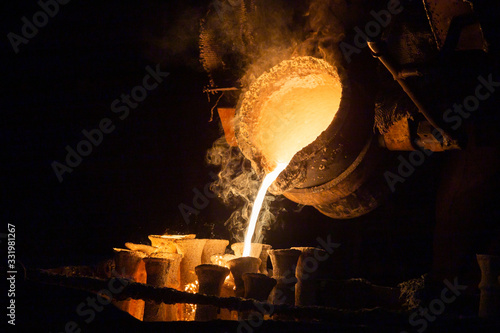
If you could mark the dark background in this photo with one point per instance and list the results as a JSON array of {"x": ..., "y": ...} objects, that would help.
[{"x": 64, "y": 80}]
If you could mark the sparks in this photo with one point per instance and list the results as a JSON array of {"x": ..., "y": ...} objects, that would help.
[{"x": 190, "y": 309}]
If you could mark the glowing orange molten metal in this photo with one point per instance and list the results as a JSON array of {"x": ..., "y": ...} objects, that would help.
[
  {"x": 257, "y": 205},
  {"x": 285, "y": 110}
]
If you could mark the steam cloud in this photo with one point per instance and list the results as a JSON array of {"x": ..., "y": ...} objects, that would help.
[
  {"x": 244, "y": 40},
  {"x": 237, "y": 186}
]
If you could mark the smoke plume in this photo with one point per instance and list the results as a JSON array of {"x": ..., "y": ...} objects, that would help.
[
  {"x": 239, "y": 41},
  {"x": 237, "y": 186}
]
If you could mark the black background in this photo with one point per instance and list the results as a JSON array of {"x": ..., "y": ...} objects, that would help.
[{"x": 64, "y": 81}]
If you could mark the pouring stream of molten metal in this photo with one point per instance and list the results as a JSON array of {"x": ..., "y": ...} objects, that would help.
[
  {"x": 268, "y": 180},
  {"x": 285, "y": 110}
]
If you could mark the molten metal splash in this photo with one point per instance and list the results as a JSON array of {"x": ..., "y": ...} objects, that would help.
[
  {"x": 218, "y": 259},
  {"x": 268, "y": 180}
]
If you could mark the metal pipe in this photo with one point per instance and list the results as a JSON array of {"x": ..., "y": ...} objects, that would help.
[{"x": 379, "y": 52}]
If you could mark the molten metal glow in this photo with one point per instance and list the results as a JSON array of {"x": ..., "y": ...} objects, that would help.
[
  {"x": 296, "y": 114},
  {"x": 268, "y": 180},
  {"x": 190, "y": 309},
  {"x": 284, "y": 111},
  {"x": 287, "y": 108},
  {"x": 218, "y": 259}
]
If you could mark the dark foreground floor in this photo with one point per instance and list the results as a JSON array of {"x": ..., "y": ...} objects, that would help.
[{"x": 50, "y": 308}]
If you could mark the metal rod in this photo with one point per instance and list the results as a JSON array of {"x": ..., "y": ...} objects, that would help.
[
  {"x": 378, "y": 52},
  {"x": 215, "y": 90}
]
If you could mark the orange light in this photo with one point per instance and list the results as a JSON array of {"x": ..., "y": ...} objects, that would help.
[
  {"x": 257, "y": 205},
  {"x": 287, "y": 108}
]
